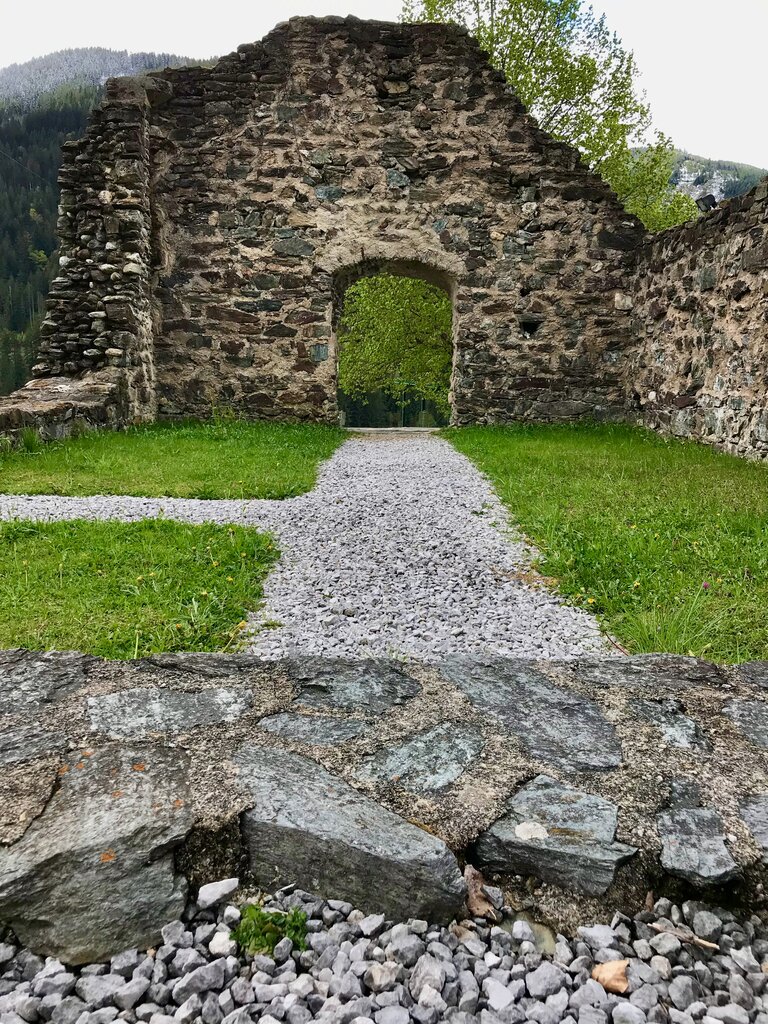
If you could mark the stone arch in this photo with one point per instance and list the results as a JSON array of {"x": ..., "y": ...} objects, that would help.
[{"x": 437, "y": 276}]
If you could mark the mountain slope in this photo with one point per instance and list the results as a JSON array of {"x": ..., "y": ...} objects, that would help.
[
  {"x": 697, "y": 176},
  {"x": 25, "y": 83}
]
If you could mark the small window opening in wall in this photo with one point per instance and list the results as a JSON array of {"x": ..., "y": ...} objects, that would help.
[
  {"x": 529, "y": 326},
  {"x": 395, "y": 349}
]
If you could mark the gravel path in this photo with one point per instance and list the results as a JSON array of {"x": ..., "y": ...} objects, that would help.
[
  {"x": 364, "y": 969},
  {"x": 401, "y": 549}
]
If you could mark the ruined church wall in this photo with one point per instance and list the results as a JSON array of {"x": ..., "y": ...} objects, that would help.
[
  {"x": 337, "y": 146},
  {"x": 700, "y": 367}
]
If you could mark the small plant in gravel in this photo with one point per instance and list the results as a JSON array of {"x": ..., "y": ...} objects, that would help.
[{"x": 260, "y": 930}]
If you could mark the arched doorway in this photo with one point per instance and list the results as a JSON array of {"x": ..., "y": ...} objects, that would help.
[{"x": 393, "y": 324}]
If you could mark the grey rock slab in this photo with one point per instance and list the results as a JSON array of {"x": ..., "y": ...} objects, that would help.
[
  {"x": 429, "y": 761},
  {"x": 30, "y": 680},
  {"x": 754, "y": 673},
  {"x": 24, "y": 742},
  {"x": 649, "y": 672},
  {"x": 555, "y": 725},
  {"x": 693, "y": 846},
  {"x": 751, "y": 717},
  {"x": 320, "y": 730},
  {"x": 93, "y": 875},
  {"x": 678, "y": 729},
  {"x": 754, "y": 812},
  {"x": 558, "y": 834},
  {"x": 212, "y": 665},
  {"x": 213, "y": 893},
  {"x": 369, "y": 685},
  {"x": 308, "y": 827},
  {"x": 141, "y": 712}
]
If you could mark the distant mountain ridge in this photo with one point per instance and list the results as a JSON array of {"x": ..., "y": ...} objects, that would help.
[
  {"x": 90, "y": 65},
  {"x": 698, "y": 175}
]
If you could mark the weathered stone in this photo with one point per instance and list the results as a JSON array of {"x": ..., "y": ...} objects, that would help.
[
  {"x": 649, "y": 672},
  {"x": 141, "y": 712},
  {"x": 677, "y": 728},
  {"x": 430, "y": 760},
  {"x": 754, "y": 673},
  {"x": 23, "y": 742},
  {"x": 751, "y": 716},
  {"x": 94, "y": 873},
  {"x": 321, "y": 730},
  {"x": 29, "y": 680},
  {"x": 555, "y": 725},
  {"x": 693, "y": 846},
  {"x": 368, "y": 686},
  {"x": 306, "y": 826},
  {"x": 754, "y": 811},
  {"x": 557, "y": 834}
]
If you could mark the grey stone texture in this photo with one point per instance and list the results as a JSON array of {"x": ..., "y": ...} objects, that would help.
[
  {"x": 428, "y": 761},
  {"x": 211, "y": 219},
  {"x": 693, "y": 846},
  {"x": 323, "y": 730},
  {"x": 372, "y": 686},
  {"x": 558, "y": 834},
  {"x": 145, "y": 711},
  {"x": 94, "y": 873},
  {"x": 306, "y": 826},
  {"x": 555, "y": 725}
]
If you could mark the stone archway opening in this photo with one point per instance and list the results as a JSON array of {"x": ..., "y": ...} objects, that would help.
[{"x": 394, "y": 344}]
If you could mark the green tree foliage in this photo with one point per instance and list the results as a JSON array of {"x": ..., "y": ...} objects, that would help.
[
  {"x": 395, "y": 337},
  {"x": 579, "y": 81}
]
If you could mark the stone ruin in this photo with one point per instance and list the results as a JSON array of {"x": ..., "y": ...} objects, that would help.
[{"x": 212, "y": 218}]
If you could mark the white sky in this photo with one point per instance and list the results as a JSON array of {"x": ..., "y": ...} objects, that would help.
[{"x": 703, "y": 64}]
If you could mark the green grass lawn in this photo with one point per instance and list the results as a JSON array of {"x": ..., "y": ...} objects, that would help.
[
  {"x": 217, "y": 459},
  {"x": 124, "y": 590},
  {"x": 666, "y": 541}
]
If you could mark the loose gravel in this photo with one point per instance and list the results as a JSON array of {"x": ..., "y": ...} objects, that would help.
[
  {"x": 682, "y": 965},
  {"x": 402, "y": 549}
]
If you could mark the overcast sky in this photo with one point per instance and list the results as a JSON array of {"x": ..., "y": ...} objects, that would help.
[{"x": 703, "y": 64}]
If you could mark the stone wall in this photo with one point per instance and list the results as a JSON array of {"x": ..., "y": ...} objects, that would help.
[
  {"x": 700, "y": 369},
  {"x": 210, "y": 219},
  {"x": 579, "y": 786}
]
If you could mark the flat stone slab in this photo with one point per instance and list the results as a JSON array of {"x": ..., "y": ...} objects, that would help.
[
  {"x": 754, "y": 812},
  {"x": 428, "y": 761},
  {"x": 751, "y": 716},
  {"x": 678, "y": 729},
  {"x": 755, "y": 673},
  {"x": 25, "y": 742},
  {"x": 555, "y": 725},
  {"x": 95, "y": 873},
  {"x": 370, "y": 686},
  {"x": 143, "y": 711},
  {"x": 649, "y": 672},
  {"x": 29, "y": 679},
  {"x": 306, "y": 826},
  {"x": 320, "y": 730},
  {"x": 558, "y": 834},
  {"x": 693, "y": 846}
]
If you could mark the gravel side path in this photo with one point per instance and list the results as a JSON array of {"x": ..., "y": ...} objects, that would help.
[
  {"x": 401, "y": 549},
  {"x": 671, "y": 965}
]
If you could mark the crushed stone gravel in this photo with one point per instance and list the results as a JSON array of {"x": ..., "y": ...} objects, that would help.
[{"x": 361, "y": 968}]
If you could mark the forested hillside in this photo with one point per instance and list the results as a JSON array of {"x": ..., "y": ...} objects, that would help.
[
  {"x": 697, "y": 175},
  {"x": 42, "y": 104}
]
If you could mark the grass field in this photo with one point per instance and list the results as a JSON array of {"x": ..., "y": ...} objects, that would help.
[
  {"x": 124, "y": 590},
  {"x": 217, "y": 459},
  {"x": 666, "y": 541}
]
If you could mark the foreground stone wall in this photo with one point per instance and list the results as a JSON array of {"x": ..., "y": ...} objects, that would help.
[
  {"x": 212, "y": 218},
  {"x": 700, "y": 369},
  {"x": 578, "y": 785}
]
